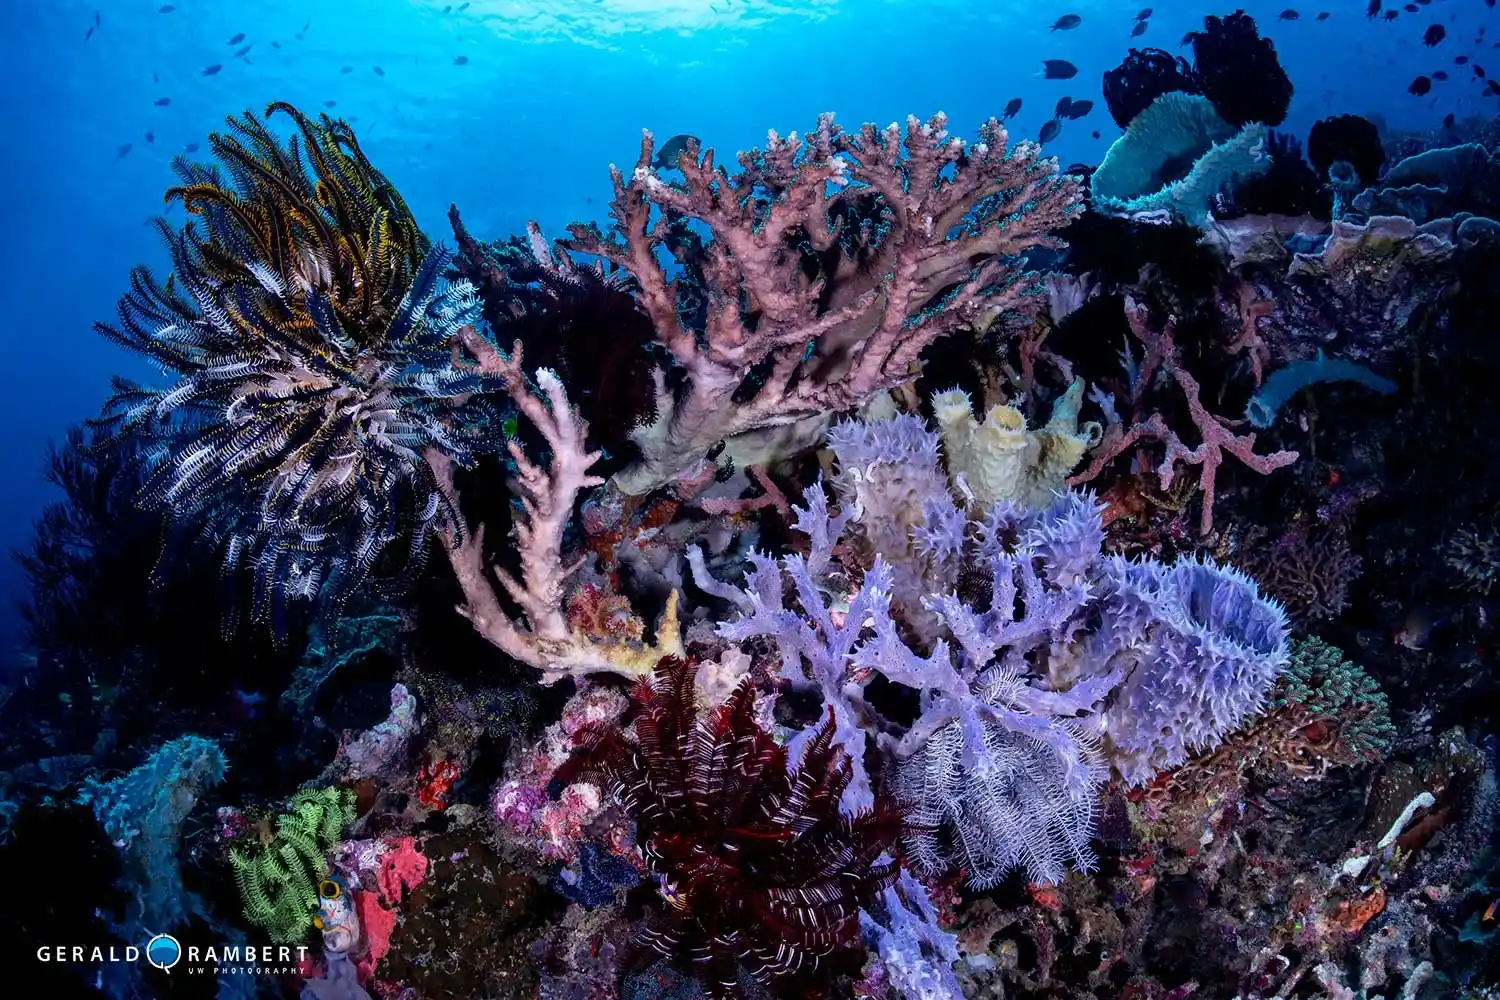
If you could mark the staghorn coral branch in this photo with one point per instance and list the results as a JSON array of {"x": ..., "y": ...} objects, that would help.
[
  {"x": 834, "y": 260},
  {"x": 1217, "y": 432},
  {"x": 545, "y": 640}
]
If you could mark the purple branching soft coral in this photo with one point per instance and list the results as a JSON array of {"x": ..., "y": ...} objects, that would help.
[{"x": 1041, "y": 663}]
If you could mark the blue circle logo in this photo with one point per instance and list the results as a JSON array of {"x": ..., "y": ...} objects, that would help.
[{"x": 163, "y": 952}]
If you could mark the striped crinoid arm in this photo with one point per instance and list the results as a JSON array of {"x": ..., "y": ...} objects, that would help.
[{"x": 762, "y": 878}]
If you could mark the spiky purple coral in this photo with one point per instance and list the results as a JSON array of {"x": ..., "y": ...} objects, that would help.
[{"x": 1049, "y": 661}]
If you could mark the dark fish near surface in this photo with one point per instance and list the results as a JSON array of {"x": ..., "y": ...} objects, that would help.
[
  {"x": 1322, "y": 16},
  {"x": 151, "y": 137},
  {"x": 1433, "y": 35},
  {"x": 1011, "y": 107},
  {"x": 240, "y": 37},
  {"x": 1479, "y": 73},
  {"x": 1067, "y": 22},
  {"x": 671, "y": 151},
  {"x": 1420, "y": 87},
  {"x": 1391, "y": 15},
  {"x": 463, "y": 6},
  {"x": 1096, "y": 133},
  {"x": 460, "y": 60},
  {"x": 1460, "y": 60},
  {"x": 123, "y": 151},
  {"x": 1059, "y": 69},
  {"x": 1492, "y": 88},
  {"x": 1078, "y": 109},
  {"x": 1143, "y": 14},
  {"x": 213, "y": 70},
  {"x": 378, "y": 71},
  {"x": 88, "y": 34},
  {"x": 1050, "y": 130},
  {"x": 239, "y": 53},
  {"x": 1412, "y": 8},
  {"x": 1373, "y": 9},
  {"x": 1139, "y": 29},
  {"x": 330, "y": 104},
  {"x": 1061, "y": 111},
  {"x": 1288, "y": 15},
  {"x": 275, "y": 45},
  {"x": 162, "y": 102},
  {"x": 1448, "y": 120},
  {"x": 346, "y": 69},
  {"x": 191, "y": 147},
  {"x": 1441, "y": 75},
  {"x": 165, "y": 9}
]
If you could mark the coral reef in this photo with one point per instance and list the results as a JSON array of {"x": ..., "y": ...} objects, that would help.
[{"x": 819, "y": 242}]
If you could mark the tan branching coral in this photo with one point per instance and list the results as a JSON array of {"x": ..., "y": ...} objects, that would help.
[
  {"x": 1002, "y": 459},
  {"x": 833, "y": 260},
  {"x": 551, "y": 633}
]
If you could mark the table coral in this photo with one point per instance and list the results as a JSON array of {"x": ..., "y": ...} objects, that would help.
[{"x": 834, "y": 259}]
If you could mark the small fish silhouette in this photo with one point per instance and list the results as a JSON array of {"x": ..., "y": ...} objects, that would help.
[
  {"x": 1373, "y": 9},
  {"x": 213, "y": 70},
  {"x": 1288, "y": 15},
  {"x": 123, "y": 151},
  {"x": 1143, "y": 14},
  {"x": 1433, "y": 35},
  {"x": 1322, "y": 16},
  {"x": 151, "y": 137},
  {"x": 1441, "y": 75},
  {"x": 162, "y": 102},
  {"x": 275, "y": 45},
  {"x": 346, "y": 69},
  {"x": 329, "y": 104},
  {"x": 379, "y": 71},
  {"x": 460, "y": 60},
  {"x": 1448, "y": 120},
  {"x": 1050, "y": 130},
  {"x": 1139, "y": 29},
  {"x": 191, "y": 147},
  {"x": 1061, "y": 110},
  {"x": 240, "y": 37},
  {"x": 1460, "y": 60},
  {"x": 1078, "y": 109},
  {"x": 88, "y": 34},
  {"x": 240, "y": 52},
  {"x": 165, "y": 9},
  {"x": 1011, "y": 108},
  {"x": 1420, "y": 87},
  {"x": 671, "y": 151},
  {"x": 1391, "y": 15},
  {"x": 1067, "y": 22},
  {"x": 1095, "y": 133},
  {"x": 463, "y": 6},
  {"x": 1059, "y": 69}
]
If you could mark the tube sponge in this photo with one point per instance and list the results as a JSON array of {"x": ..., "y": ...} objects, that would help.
[
  {"x": 1176, "y": 155},
  {"x": 1003, "y": 460},
  {"x": 1285, "y": 382}
]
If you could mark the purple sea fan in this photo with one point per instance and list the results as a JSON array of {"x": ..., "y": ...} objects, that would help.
[{"x": 1199, "y": 647}]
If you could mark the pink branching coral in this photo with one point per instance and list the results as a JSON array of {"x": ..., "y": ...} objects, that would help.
[
  {"x": 834, "y": 259},
  {"x": 543, "y": 637},
  {"x": 1217, "y": 433}
]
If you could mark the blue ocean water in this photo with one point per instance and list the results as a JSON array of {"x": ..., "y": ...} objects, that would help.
[{"x": 514, "y": 110}]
